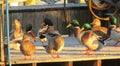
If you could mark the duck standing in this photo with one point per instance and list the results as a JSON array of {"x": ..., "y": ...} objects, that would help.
[
  {"x": 88, "y": 38},
  {"x": 55, "y": 40},
  {"x": 115, "y": 34},
  {"x": 27, "y": 47}
]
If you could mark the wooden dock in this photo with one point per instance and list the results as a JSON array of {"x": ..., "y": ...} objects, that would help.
[{"x": 72, "y": 55}]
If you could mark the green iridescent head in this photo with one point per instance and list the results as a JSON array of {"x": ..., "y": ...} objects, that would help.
[
  {"x": 87, "y": 26},
  {"x": 113, "y": 20}
]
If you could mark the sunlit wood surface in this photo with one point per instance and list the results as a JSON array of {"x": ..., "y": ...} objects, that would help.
[
  {"x": 71, "y": 52},
  {"x": 11, "y": 1}
]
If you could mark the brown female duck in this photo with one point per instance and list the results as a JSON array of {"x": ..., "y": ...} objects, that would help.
[
  {"x": 27, "y": 47},
  {"x": 17, "y": 34}
]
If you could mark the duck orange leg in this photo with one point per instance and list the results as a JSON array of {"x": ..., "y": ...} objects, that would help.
[
  {"x": 58, "y": 56},
  {"x": 25, "y": 58},
  {"x": 87, "y": 52},
  {"x": 53, "y": 55}
]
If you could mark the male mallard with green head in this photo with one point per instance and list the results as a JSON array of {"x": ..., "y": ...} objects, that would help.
[{"x": 88, "y": 38}]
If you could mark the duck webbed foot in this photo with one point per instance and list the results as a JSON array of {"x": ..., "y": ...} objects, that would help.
[
  {"x": 87, "y": 52},
  {"x": 57, "y": 56}
]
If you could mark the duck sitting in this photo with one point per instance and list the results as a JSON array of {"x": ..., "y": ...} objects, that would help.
[
  {"x": 17, "y": 34},
  {"x": 55, "y": 40},
  {"x": 88, "y": 38},
  {"x": 27, "y": 47}
]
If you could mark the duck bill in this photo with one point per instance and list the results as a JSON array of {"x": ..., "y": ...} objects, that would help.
[
  {"x": 82, "y": 28},
  {"x": 69, "y": 25}
]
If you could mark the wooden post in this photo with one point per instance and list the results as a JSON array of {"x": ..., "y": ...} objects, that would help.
[
  {"x": 97, "y": 63},
  {"x": 34, "y": 64},
  {"x": 2, "y": 63},
  {"x": 70, "y": 63},
  {"x": 1, "y": 33}
]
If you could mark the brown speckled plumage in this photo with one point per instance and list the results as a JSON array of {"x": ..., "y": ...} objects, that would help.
[
  {"x": 97, "y": 26},
  {"x": 16, "y": 35},
  {"x": 27, "y": 47},
  {"x": 55, "y": 40},
  {"x": 18, "y": 32},
  {"x": 89, "y": 39}
]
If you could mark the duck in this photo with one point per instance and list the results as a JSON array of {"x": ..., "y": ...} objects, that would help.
[
  {"x": 28, "y": 29},
  {"x": 17, "y": 34},
  {"x": 97, "y": 26},
  {"x": 115, "y": 34},
  {"x": 101, "y": 31},
  {"x": 55, "y": 39},
  {"x": 115, "y": 31},
  {"x": 27, "y": 47},
  {"x": 88, "y": 38},
  {"x": 55, "y": 43}
]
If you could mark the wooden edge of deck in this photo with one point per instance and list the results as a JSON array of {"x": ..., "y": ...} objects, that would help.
[{"x": 65, "y": 60}]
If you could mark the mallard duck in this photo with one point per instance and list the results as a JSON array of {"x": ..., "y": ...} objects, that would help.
[
  {"x": 17, "y": 34},
  {"x": 29, "y": 32},
  {"x": 27, "y": 47},
  {"x": 114, "y": 30},
  {"x": 88, "y": 38},
  {"x": 46, "y": 25},
  {"x": 55, "y": 40},
  {"x": 55, "y": 43},
  {"x": 115, "y": 34}
]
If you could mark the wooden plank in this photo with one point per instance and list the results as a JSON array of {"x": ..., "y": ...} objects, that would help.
[
  {"x": 12, "y": 1},
  {"x": 38, "y": 7},
  {"x": 1, "y": 33},
  {"x": 68, "y": 54},
  {"x": 1, "y": 2}
]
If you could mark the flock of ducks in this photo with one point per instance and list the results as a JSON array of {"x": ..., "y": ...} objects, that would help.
[{"x": 92, "y": 37}]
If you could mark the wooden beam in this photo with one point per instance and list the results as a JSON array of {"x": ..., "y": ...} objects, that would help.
[
  {"x": 34, "y": 64},
  {"x": 69, "y": 63},
  {"x": 1, "y": 32},
  {"x": 97, "y": 63},
  {"x": 1, "y": 2},
  {"x": 11, "y": 1}
]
